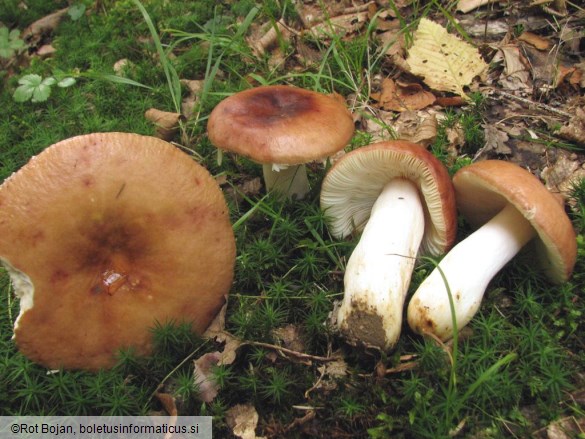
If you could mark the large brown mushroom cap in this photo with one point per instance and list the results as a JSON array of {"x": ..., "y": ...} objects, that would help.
[
  {"x": 113, "y": 232},
  {"x": 484, "y": 188},
  {"x": 353, "y": 184},
  {"x": 280, "y": 124}
]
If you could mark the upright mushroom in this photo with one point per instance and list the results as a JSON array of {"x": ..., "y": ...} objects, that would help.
[
  {"x": 401, "y": 196},
  {"x": 282, "y": 127},
  {"x": 512, "y": 207},
  {"x": 105, "y": 234}
]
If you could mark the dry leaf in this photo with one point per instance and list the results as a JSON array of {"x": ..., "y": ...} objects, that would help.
[
  {"x": 444, "y": 61},
  {"x": 43, "y": 25},
  {"x": 516, "y": 75},
  {"x": 243, "y": 419},
  {"x": 203, "y": 375},
  {"x": 495, "y": 140},
  {"x": 46, "y": 50},
  {"x": 562, "y": 176},
  {"x": 466, "y": 6},
  {"x": 535, "y": 40},
  {"x": 417, "y": 127},
  {"x": 216, "y": 331},
  {"x": 194, "y": 87},
  {"x": 290, "y": 336},
  {"x": 167, "y": 123},
  {"x": 398, "y": 96},
  {"x": 575, "y": 129},
  {"x": 269, "y": 38},
  {"x": 341, "y": 25}
]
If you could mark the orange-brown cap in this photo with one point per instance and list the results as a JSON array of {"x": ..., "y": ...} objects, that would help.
[
  {"x": 353, "y": 184},
  {"x": 106, "y": 234},
  {"x": 280, "y": 124},
  {"x": 483, "y": 189}
]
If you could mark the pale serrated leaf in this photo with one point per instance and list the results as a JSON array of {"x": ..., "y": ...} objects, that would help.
[
  {"x": 31, "y": 80},
  {"x": 444, "y": 61},
  {"x": 66, "y": 82}
]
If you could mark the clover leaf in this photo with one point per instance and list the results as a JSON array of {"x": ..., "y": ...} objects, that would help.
[{"x": 33, "y": 87}]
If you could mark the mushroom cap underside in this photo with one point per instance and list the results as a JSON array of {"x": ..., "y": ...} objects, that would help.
[
  {"x": 281, "y": 124},
  {"x": 116, "y": 232},
  {"x": 353, "y": 184},
  {"x": 482, "y": 190}
]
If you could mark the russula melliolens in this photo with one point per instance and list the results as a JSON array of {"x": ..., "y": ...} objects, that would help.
[
  {"x": 402, "y": 197},
  {"x": 511, "y": 207},
  {"x": 105, "y": 234},
  {"x": 282, "y": 127}
]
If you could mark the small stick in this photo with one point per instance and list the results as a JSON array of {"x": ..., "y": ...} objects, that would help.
[
  {"x": 536, "y": 104},
  {"x": 291, "y": 352}
]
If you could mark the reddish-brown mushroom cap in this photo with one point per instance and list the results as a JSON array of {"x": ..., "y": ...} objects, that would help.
[
  {"x": 280, "y": 124},
  {"x": 483, "y": 189},
  {"x": 353, "y": 184},
  {"x": 114, "y": 232}
]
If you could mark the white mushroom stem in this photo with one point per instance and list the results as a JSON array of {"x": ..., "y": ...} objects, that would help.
[
  {"x": 468, "y": 269},
  {"x": 288, "y": 181},
  {"x": 378, "y": 272}
]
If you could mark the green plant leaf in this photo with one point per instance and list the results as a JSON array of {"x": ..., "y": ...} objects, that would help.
[
  {"x": 33, "y": 87},
  {"x": 10, "y": 42},
  {"x": 76, "y": 11},
  {"x": 66, "y": 82}
]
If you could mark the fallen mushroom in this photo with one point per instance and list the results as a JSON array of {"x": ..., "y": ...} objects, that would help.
[
  {"x": 105, "y": 234},
  {"x": 282, "y": 127},
  {"x": 402, "y": 198},
  {"x": 512, "y": 207}
]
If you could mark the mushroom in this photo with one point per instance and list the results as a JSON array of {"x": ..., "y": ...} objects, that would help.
[
  {"x": 282, "y": 127},
  {"x": 512, "y": 207},
  {"x": 402, "y": 198},
  {"x": 103, "y": 235}
]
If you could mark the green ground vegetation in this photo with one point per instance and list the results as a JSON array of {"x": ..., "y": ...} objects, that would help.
[{"x": 524, "y": 352}]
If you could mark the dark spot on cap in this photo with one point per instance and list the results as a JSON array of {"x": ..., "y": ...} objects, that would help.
[{"x": 269, "y": 106}]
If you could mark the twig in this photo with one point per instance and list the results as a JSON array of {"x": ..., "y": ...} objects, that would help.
[
  {"x": 297, "y": 354},
  {"x": 532, "y": 103}
]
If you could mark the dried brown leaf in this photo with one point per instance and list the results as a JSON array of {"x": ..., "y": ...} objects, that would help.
[
  {"x": 417, "y": 127},
  {"x": 167, "y": 123},
  {"x": 43, "y": 25},
  {"x": 203, "y": 375},
  {"x": 537, "y": 41},
  {"x": 574, "y": 130},
  {"x": 561, "y": 176},
  {"x": 516, "y": 75},
  {"x": 243, "y": 420},
  {"x": 398, "y": 96}
]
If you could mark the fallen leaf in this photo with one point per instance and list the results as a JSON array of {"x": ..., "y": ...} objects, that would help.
[
  {"x": 341, "y": 25},
  {"x": 444, "y": 61},
  {"x": 417, "y": 127},
  {"x": 168, "y": 402},
  {"x": 203, "y": 376},
  {"x": 535, "y": 40},
  {"x": 495, "y": 141},
  {"x": 49, "y": 23},
  {"x": 46, "y": 50},
  {"x": 270, "y": 35},
  {"x": 399, "y": 96},
  {"x": 516, "y": 75},
  {"x": 243, "y": 419},
  {"x": 216, "y": 331},
  {"x": 466, "y": 6},
  {"x": 574, "y": 130},
  {"x": 194, "y": 88},
  {"x": 167, "y": 123},
  {"x": 561, "y": 176},
  {"x": 290, "y": 336}
]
